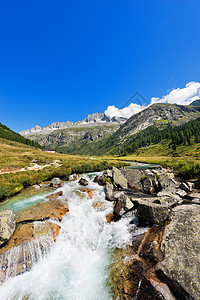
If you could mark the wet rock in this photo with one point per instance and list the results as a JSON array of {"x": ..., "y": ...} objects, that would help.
[
  {"x": 119, "y": 179},
  {"x": 27, "y": 244},
  {"x": 110, "y": 217},
  {"x": 99, "y": 179},
  {"x": 36, "y": 186},
  {"x": 73, "y": 177},
  {"x": 83, "y": 181},
  {"x": 7, "y": 225},
  {"x": 88, "y": 191},
  {"x": 109, "y": 191},
  {"x": 54, "y": 196},
  {"x": 181, "y": 248},
  {"x": 105, "y": 177},
  {"x": 130, "y": 279},
  {"x": 150, "y": 245},
  {"x": 123, "y": 204},
  {"x": 152, "y": 212},
  {"x": 56, "y": 182},
  {"x": 54, "y": 209}
]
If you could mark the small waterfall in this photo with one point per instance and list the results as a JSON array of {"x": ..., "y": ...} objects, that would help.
[
  {"x": 20, "y": 258},
  {"x": 75, "y": 267}
]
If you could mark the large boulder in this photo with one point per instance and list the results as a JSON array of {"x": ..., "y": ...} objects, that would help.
[
  {"x": 181, "y": 247},
  {"x": 123, "y": 203},
  {"x": 119, "y": 179},
  {"x": 130, "y": 279},
  {"x": 109, "y": 191},
  {"x": 133, "y": 177},
  {"x": 7, "y": 225},
  {"x": 56, "y": 182},
  {"x": 152, "y": 212}
]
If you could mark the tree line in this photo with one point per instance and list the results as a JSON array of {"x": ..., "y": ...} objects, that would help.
[{"x": 178, "y": 135}]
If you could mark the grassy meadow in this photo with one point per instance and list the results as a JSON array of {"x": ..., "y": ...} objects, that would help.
[{"x": 14, "y": 156}]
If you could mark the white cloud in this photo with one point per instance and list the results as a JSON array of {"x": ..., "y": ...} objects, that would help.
[
  {"x": 125, "y": 112},
  {"x": 183, "y": 96},
  {"x": 180, "y": 96}
]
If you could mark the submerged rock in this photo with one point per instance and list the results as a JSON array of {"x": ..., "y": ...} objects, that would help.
[
  {"x": 180, "y": 268},
  {"x": 7, "y": 225},
  {"x": 83, "y": 182},
  {"x": 88, "y": 191},
  {"x": 54, "y": 209},
  {"x": 55, "y": 196}
]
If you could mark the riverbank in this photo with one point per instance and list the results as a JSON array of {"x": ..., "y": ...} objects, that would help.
[{"x": 140, "y": 243}]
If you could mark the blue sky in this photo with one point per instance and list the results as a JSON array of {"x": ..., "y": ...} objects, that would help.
[{"x": 61, "y": 60}]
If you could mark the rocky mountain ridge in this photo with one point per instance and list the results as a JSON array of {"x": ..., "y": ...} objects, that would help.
[
  {"x": 96, "y": 118},
  {"x": 160, "y": 112},
  {"x": 68, "y": 137}
]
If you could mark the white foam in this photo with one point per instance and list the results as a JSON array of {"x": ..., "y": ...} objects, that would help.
[{"x": 76, "y": 267}]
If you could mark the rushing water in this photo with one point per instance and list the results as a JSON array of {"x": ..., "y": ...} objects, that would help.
[{"x": 76, "y": 265}]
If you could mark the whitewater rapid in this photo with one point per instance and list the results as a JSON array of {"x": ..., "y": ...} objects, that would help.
[{"x": 76, "y": 267}]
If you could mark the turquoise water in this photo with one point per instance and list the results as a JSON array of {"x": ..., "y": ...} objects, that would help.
[{"x": 26, "y": 199}]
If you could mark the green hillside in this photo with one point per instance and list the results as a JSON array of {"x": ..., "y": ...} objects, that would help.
[{"x": 7, "y": 134}]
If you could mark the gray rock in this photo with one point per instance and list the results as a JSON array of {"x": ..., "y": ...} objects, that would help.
[
  {"x": 152, "y": 212},
  {"x": 109, "y": 190},
  {"x": 194, "y": 195},
  {"x": 108, "y": 173},
  {"x": 186, "y": 186},
  {"x": 181, "y": 193},
  {"x": 148, "y": 187},
  {"x": 7, "y": 225},
  {"x": 119, "y": 179},
  {"x": 83, "y": 181},
  {"x": 56, "y": 182},
  {"x": 196, "y": 201},
  {"x": 181, "y": 265},
  {"x": 133, "y": 177},
  {"x": 123, "y": 204}
]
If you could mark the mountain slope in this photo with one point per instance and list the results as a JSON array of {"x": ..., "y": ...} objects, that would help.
[
  {"x": 162, "y": 112},
  {"x": 6, "y": 133},
  {"x": 158, "y": 114},
  {"x": 195, "y": 103},
  {"x": 68, "y": 139}
]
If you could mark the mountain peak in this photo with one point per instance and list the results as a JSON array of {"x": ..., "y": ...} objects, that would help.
[{"x": 91, "y": 119}]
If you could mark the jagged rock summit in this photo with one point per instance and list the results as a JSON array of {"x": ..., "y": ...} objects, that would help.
[{"x": 91, "y": 119}]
